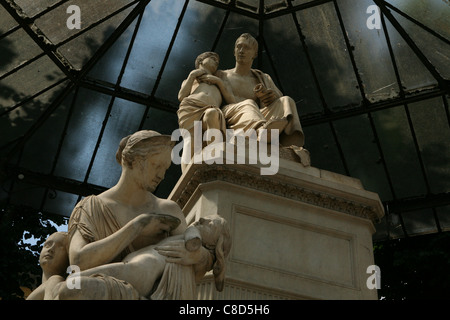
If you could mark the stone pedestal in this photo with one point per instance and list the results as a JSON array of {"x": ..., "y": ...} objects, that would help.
[{"x": 303, "y": 233}]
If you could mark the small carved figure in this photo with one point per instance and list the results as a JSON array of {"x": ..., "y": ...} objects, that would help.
[
  {"x": 201, "y": 96},
  {"x": 54, "y": 261}
]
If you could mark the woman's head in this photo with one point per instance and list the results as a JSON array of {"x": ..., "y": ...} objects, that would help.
[
  {"x": 141, "y": 145},
  {"x": 145, "y": 156}
]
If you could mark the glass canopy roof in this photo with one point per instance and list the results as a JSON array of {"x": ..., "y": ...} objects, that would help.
[{"x": 370, "y": 79}]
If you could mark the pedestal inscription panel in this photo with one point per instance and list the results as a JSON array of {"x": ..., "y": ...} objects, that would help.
[{"x": 292, "y": 247}]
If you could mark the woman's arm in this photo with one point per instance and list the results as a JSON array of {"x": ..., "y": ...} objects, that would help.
[
  {"x": 86, "y": 254},
  {"x": 38, "y": 293}
]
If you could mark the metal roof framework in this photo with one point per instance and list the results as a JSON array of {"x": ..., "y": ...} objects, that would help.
[{"x": 349, "y": 136}]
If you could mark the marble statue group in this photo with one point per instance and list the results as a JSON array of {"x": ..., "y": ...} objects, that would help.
[
  {"x": 241, "y": 99},
  {"x": 129, "y": 244}
]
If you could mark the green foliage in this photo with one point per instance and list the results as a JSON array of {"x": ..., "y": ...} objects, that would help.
[
  {"x": 414, "y": 268},
  {"x": 19, "y": 264}
]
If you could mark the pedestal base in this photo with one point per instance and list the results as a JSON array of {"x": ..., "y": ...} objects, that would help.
[{"x": 303, "y": 233}]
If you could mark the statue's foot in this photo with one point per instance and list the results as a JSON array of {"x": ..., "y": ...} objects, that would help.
[{"x": 303, "y": 155}]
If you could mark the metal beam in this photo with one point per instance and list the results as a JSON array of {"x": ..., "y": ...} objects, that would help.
[
  {"x": 231, "y": 7},
  {"x": 307, "y": 120},
  {"x": 293, "y": 9},
  {"x": 127, "y": 94},
  {"x": 398, "y": 206},
  {"x": 320, "y": 118},
  {"x": 50, "y": 181},
  {"x": 418, "y": 203}
]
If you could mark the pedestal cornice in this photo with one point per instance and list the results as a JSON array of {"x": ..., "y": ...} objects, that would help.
[{"x": 312, "y": 189}]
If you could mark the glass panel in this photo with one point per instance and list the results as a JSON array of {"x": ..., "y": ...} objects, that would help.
[
  {"x": 371, "y": 52},
  {"x": 124, "y": 120},
  {"x": 151, "y": 44},
  {"x": 15, "y": 50},
  {"x": 82, "y": 134},
  {"x": 6, "y": 22},
  {"x": 419, "y": 222},
  {"x": 399, "y": 152},
  {"x": 18, "y": 121},
  {"x": 297, "y": 2},
  {"x": 361, "y": 154},
  {"x": 27, "y": 81},
  {"x": 31, "y": 8},
  {"x": 79, "y": 50},
  {"x": 40, "y": 151},
  {"x": 381, "y": 232},
  {"x": 274, "y": 5},
  {"x": 395, "y": 227},
  {"x": 433, "y": 14},
  {"x": 4, "y": 191},
  {"x": 443, "y": 214},
  {"x": 433, "y": 135},
  {"x": 162, "y": 121},
  {"x": 320, "y": 143},
  {"x": 329, "y": 55},
  {"x": 192, "y": 39},
  {"x": 291, "y": 64},
  {"x": 413, "y": 73},
  {"x": 59, "y": 202},
  {"x": 27, "y": 194},
  {"x": 265, "y": 63},
  {"x": 54, "y": 23},
  {"x": 109, "y": 66},
  {"x": 437, "y": 51},
  {"x": 248, "y": 5}
]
